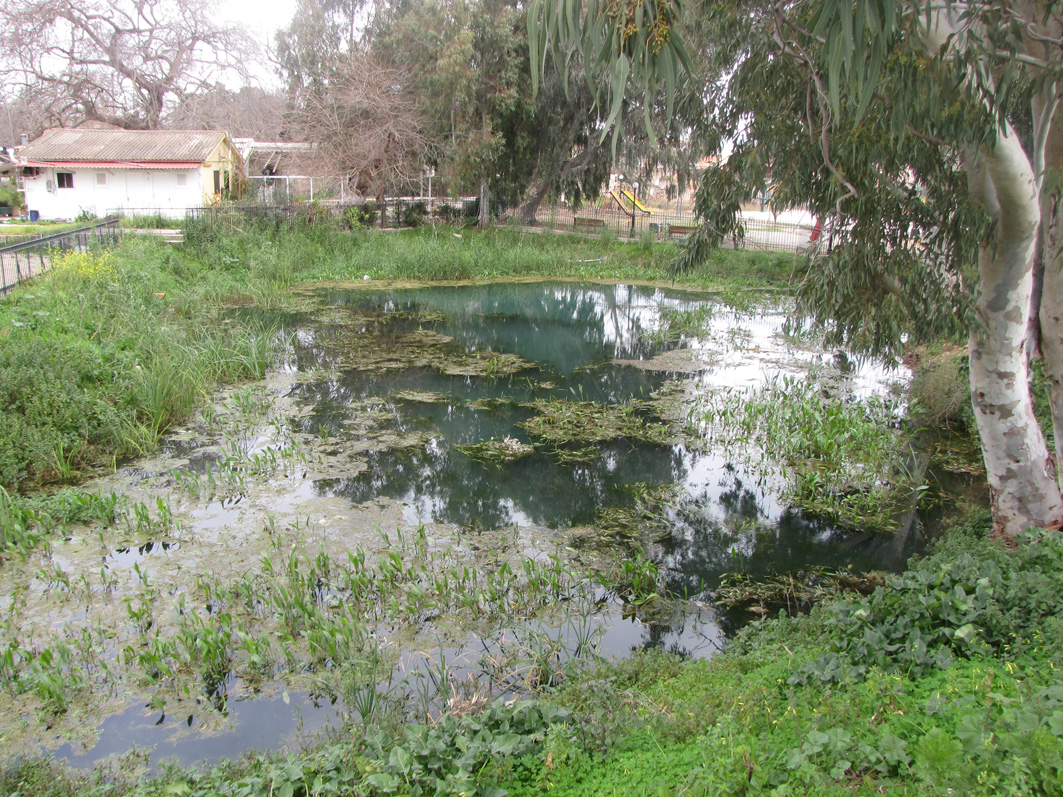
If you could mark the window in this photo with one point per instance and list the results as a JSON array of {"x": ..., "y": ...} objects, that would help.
[
  {"x": 64, "y": 179},
  {"x": 182, "y": 179},
  {"x": 101, "y": 178},
  {"x": 217, "y": 181}
]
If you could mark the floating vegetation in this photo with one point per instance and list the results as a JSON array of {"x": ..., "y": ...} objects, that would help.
[
  {"x": 490, "y": 365},
  {"x": 792, "y": 592},
  {"x": 419, "y": 316},
  {"x": 492, "y": 404},
  {"x": 675, "y": 361},
  {"x": 370, "y": 348},
  {"x": 644, "y": 520},
  {"x": 420, "y": 396},
  {"x": 497, "y": 452},
  {"x": 843, "y": 459},
  {"x": 572, "y": 428}
]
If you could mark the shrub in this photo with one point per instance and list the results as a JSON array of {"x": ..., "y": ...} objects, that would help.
[
  {"x": 971, "y": 598},
  {"x": 941, "y": 393},
  {"x": 413, "y": 215},
  {"x": 358, "y": 216},
  {"x": 54, "y": 417}
]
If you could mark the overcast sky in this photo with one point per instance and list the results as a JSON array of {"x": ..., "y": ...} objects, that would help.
[{"x": 262, "y": 19}]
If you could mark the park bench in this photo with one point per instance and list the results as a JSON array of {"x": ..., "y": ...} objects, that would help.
[
  {"x": 594, "y": 224},
  {"x": 679, "y": 229}
]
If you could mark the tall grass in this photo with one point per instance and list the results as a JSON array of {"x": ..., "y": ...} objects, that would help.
[
  {"x": 322, "y": 252},
  {"x": 101, "y": 355}
]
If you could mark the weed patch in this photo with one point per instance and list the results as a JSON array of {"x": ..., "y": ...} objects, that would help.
[
  {"x": 843, "y": 459},
  {"x": 96, "y": 364}
]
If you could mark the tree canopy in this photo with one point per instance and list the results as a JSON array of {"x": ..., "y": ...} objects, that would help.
[{"x": 924, "y": 136}]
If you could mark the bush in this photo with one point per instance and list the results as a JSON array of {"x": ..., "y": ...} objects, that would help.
[
  {"x": 413, "y": 215},
  {"x": 9, "y": 196},
  {"x": 972, "y": 598},
  {"x": 54, "y": 417},
  {"x": 357, "y": 217},
  {"x": 941, "y": 393}
]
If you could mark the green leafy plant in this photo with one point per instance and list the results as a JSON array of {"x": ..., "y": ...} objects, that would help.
[{"x": 451, "y": 756}]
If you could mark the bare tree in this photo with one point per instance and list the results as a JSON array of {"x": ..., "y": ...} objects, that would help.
[
  {"x": 367, "y": 126},
  {"x": 124, "y": 62},
  {"x": 248, "y": 113},
  {"x": 25, "y": 113}
]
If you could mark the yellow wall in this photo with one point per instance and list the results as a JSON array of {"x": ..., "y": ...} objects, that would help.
[{"x": 226, "y": 160}]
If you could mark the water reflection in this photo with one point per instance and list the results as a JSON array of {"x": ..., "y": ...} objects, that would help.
[
  {"x": 371, "y": 374},
  {"x": 572, "y": 336}
]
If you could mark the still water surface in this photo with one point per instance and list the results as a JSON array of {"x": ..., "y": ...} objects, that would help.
[{"x": 392, "y": 382}]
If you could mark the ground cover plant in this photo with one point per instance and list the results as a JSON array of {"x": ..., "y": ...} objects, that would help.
[
  {"x": 103, "y": 354},
  {"x": 770, "y": 715}
]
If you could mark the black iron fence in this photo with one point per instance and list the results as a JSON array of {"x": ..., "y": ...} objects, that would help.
[
  {"x": 761, "y": 230},
  {"x": 20, "y": 261}
]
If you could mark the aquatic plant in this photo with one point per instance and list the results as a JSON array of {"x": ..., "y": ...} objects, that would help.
[
  {"x": 843, "y": 458},
  {"x": 497, "y": 452},
  {"x": 676, "y": 325},
  {"x": 20, "y": 527},
  {"x": 572, "y": 428}
]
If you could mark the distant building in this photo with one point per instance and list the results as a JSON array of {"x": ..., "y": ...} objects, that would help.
[
  {"x": 281, "y": 171},
  {"x": 75, "y": 171}
]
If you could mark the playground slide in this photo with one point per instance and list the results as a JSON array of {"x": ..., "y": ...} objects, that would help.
[
  {"x": 637, "y": 204},
  {"x": 620, "y": 204}
]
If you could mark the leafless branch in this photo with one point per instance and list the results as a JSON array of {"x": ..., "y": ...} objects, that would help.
[
  {"x": 125, "y": 62},
  {"x": 367, "y": 126}
]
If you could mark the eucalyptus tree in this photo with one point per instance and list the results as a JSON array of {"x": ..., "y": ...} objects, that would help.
[
  {"x": 928, "y": 134},
  {"x": 318, "y": 40}
]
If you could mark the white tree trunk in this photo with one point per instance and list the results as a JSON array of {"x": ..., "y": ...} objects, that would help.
[
  {"x": 1022, "y": 477},
  {"x": 1051, "y": 304},
  {"x": 1051, "y": 317}
]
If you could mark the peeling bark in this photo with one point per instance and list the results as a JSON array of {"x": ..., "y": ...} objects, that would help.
[
  {"x": 1022, "y": 477},
  {"x": 1050, "y": 307}
]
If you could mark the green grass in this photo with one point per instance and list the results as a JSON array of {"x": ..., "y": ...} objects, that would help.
[
  {"x": 37, "y": 228},
  {"x": 101, "y": 355},
  {"x": 441, "y": 253},
  {"x": 150, "y": 221}
]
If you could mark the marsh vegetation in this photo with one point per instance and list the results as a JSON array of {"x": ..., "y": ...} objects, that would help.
[{"x": 419, "y": 498}]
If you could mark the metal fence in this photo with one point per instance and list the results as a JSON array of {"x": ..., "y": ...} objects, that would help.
[
  {"x": 760, "y": 232},
  {"x": 20, "y": 261}
]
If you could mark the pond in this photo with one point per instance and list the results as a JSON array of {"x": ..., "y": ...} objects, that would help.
[{"x": 439, "y": 490}]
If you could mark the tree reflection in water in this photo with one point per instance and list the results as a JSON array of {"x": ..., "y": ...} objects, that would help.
[{"x": 721, "y": 520}]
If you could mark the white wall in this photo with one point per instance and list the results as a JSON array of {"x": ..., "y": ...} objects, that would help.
[{"x": 134, "y": 190}]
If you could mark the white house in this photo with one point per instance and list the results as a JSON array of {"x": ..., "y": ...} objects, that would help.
[{"x": 68, "y": 172}]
